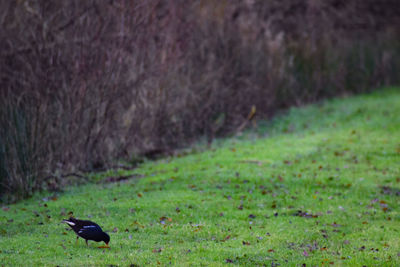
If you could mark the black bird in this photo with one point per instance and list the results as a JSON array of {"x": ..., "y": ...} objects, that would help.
[{"x": 88, "y": 230}]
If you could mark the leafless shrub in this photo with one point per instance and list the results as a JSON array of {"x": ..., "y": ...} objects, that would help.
[{"x": 85, "y": 82}]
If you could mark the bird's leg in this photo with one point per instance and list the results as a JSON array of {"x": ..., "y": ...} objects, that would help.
[
  {"x": 77, "y": 238},
  {"x": 87, "y": 242}
]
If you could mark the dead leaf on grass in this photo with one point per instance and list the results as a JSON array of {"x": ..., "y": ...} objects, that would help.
[{"x": 157, "y": 250}]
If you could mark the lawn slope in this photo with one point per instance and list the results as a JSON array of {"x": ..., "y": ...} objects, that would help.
[{"x": 319, "y": 185}]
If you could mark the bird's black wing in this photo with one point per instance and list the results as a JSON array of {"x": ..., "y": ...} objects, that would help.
[{"x": 91, "y": 232}]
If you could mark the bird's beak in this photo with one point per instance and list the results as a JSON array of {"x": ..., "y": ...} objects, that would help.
[{"x": 106, "y": 246}]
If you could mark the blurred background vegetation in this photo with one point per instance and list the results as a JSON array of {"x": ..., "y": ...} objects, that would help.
[{"x": 86, "y": 82}]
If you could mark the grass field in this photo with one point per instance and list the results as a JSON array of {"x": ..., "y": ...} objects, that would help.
[{"x": 317, "y": 186}]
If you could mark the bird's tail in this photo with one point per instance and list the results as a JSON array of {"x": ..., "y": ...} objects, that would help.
[{"x": 70, "y": 221}]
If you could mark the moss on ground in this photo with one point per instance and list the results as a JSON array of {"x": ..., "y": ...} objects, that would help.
[{"x": 317, "y": 186}]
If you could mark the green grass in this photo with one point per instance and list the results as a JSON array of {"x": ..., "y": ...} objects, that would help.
[{"x": 320, "y": 186}]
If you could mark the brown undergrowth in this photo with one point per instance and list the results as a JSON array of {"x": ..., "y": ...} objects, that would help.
[{"x": 83, "y": 83}]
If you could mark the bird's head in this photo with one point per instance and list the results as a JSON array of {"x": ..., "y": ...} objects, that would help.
[{"x": 106, "y": 238}]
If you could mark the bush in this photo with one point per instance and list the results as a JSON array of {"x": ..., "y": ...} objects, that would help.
[{"x": 86, "y": 82}]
